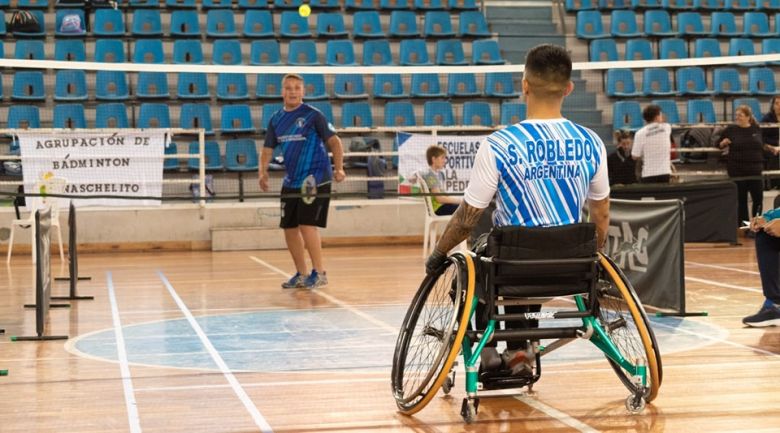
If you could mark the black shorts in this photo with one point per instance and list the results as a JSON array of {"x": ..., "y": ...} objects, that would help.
[{"x": 296, "y": 212}]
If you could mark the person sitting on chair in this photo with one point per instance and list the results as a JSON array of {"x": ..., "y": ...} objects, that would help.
[
  {"x": 541, "y": 172},
  {"x": 434, "y": 178}
]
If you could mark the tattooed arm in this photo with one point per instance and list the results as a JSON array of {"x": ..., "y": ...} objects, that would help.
[
  {"x": 599, "y": 215},
  {"x": 463, "y": 221}
]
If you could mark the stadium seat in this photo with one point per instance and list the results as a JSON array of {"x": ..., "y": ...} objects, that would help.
[
  {"x": 29, "y": 49},
  {"x": 677, "y": 5},
  {"x": 232, "y": 87},
  {"x": 438, "y": 113},
  {"x": 414, "y": 52},
  {"x": 340, "y": 52},
  {"x": 325, "y": 108},
  {"x": 3, "y": 28},
  {"x": 486, "y": 52},
  {"x": 426, "y": 86},
  {"x": 726, "y": 81},
  {"x": 449, "y": 52},
  {"x": 462, "y": 85},
  {"x": 658, "y": 23},
  {"x": 143, "y": 4},
  {"x": 626, "y": 115},
  {"x": 500, "y": 85},
  {"x": 325, "y": 4},
  {"x": 185, "y": 24},
  {"x": 624, "y": 24},
  {"x": 761, "y": 81},
  {"x": 753, "y": 103},
  {"x": 473, "y": 24},
  {"x": 60, "y": 15},
  {"x": 395, "y": 4},
  {"x": 314, "y": 86},
  {"x": 691, "y": 80},
  {"x": 192, "y": 85},
  {"x": 265, "y": 52},
  {"x": 111, "y": 115},
  {"x": 216, "y": 4},
  {"x": 148, "y": 51},
  {"x": 639, "y": 49},
  {"x": 646, "y": 4},
  {"x": 169, "y": 164},
  {"x": 303, "y": 53},
  {"x": 241, "y": 154},
  {"x": 724, "y": 24},
  {"x": 152, "y": 85},
  {"x": 349, "y": 86},
  {"x": 589, "y": 25},
  {"x": 437, "y": 24},
  {"x": 389, "y": 86},
  {"x": 39, "y": 15},
  {"x": 188, "y": 51},
  {"x": 672, "y": 48},
  {"x": 580, "y": 5},
  {"x": 656, "y": 82},
  {"x": 153, "y": 115},
  {"x": 512, "y": 112},
  {"x": 23, "y": 117},
  {"x": 403, "y": 24},
  {"x": 260, "y": 24},
  {"x": 111, "y": 86},
  {"x": 712, "y": 5},
  {"x": 740, "y": 5},
  {"x": 366, "y": 24},
  {"x": 603, "y": 50},
  {"x": 70, "y": 50},
  {"x": 771, "y": 46},
  {"x": 769, "y": 5},
  {"x": 743, "y": 47},
  {"x": 70, "y": 85},
  {"x": 28, "y": 86},
  {"x": 69, "y": 116},
  {"x": 690, "y": 24},
  {"x": 236, "y": 119},
  {"x": 399, "y": 114},
  {"x": 146, "y": 23},
  {"x": 701, "y": 111},
  {"x": 356, "y": 114},
  {"x": 211, "y": 154},
  {"x": 429, "y": 4},
  {"x": 477, "y": 113},
  {"x": 614, "y": 4},
  {"x": 227, "y": 52},
  {"x": 288, "y": 4},
  {"x": 706, "y": 47},
  {"x": 196, "y": 115},
  {"x": 669, "y": 109},
  {"x": 269, "y": 86},
  {"x": 221, "y": 23},
  {"x": 293, "y": 25},
  {"x": 331, "y": 25},
  {"x": 376, "y": 52},
  {"x": 181, "y": 4},
  {"x": 620, "y": 83},
  {"x": 756, "y": 24}
]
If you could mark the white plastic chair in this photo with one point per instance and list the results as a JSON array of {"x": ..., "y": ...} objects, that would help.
[
  {"x": 53, "y": 186},
  {"x": 432, "y": 221}
]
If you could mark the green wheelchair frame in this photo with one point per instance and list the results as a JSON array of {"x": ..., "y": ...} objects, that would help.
[{"x": 437, "y": 328}]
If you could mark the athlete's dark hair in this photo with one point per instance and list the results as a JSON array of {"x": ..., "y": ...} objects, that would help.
[{"x": 548, "y": 70}]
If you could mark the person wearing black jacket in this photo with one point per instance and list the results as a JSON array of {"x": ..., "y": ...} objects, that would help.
[
  {"x": 771, "y": 142},
  {"x": 621, "y": 166},
  {"x": 745, "y": 160}
]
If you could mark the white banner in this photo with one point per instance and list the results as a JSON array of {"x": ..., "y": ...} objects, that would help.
[
  {"x": 126, "y": 164},
  {"x": 461, "y": 151}
]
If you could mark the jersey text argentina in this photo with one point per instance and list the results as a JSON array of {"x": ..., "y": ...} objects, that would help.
[{"x": 541, "y": 173}]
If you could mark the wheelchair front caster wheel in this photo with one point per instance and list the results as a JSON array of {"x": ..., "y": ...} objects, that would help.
[
  {"x": 446, "y": 387},
  {"x": 469, "y": 409},
  {"x": 635, "y": 404}
]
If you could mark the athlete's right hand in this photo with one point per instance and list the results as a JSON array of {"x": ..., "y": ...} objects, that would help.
[{"x": 264, "y": 182}]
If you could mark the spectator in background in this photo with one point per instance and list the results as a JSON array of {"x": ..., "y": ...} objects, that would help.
[
  {"x": 771, "y": 144},
  {"x": 620, "y": 164},
  {"x": 434, "y": 178},
  {"x": 653, "y": 144},
  {"x": 745, "y": 160},
  {"x": 767, "y": 230}
]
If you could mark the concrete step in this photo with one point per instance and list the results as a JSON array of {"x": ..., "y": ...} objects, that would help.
[
  {"x": 528, "y": 28},
  {"x": 583, "y": 116},
  {"x": 526, "y": 13},
  {"x": 247, "y": 238}
]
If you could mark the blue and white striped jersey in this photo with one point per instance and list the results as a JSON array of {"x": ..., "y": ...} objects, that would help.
[{"x": 541, "y": 173}]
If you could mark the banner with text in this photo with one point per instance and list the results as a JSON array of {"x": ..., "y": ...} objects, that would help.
[
  {"x": 127, "y": 164},
  {"x": 461, "y": 151}
]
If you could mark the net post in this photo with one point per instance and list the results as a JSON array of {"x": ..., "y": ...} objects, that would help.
[{"x": 202, "y": 168}]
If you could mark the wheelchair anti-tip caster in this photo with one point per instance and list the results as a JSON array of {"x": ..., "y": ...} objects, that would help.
[
  {"x": 449, "y": 383},
  {"x": 635, "y": 403},
  {"x": 469, "y": 409}
]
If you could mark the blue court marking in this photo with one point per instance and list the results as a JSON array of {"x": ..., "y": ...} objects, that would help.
[{"x": 319, "y": 340}]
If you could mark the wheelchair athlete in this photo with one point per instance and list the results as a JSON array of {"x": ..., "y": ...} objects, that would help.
[{"x": 540, "y": 171}]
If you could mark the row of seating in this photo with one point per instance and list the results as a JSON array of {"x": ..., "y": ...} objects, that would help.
[
  {"x": 602, "y": 50},
  {"x": 628, "y": 114},
  {"x": 240, "y": 155},
  {"x": 673, "y": 5},
  {"x": 690, "y": 80},
  {"x": 422, "y": 5}
]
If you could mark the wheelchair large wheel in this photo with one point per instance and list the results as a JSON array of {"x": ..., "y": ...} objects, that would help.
[
  {"x": 432, "y": 332},
  {"x": 625, "y": 320}
]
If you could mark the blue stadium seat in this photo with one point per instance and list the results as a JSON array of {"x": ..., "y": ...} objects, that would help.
[
  {"x": 146, "y": 23},
  {"x": 293, "y": 25},
  {"x": 656, "y": 82},
  {"x": 769, "y": 5},
  {"x": 366, "y": 24},
  {"x": 691, "y": 80},
  {"x": 396, "y": 4},
  {"x": 389, "y": 86},
  {"x": 726, "y": 81},
  {"x": 356, "y": 114},
  {"x": 437, "y": 24},
  {"x": 192, "y": 85},
  {"x": 29, "y": 49},
  {"x": 28, "y": 86},
  {"x": 39, "y": 15},
  {"x": 614, "y": 4},
  {"x": 580, "y": 5},
  {"x": 288, "y": 4},
  {"x": 589, "y": 25},
  {"x": 260, "y": 24},
  {"x": 724, "y": 24},
  {"x": 70, "y": 85},
  {"x": 62, "y": 13},
  {"x": 232, "y": 87},
  {"x": 144, "y": 4},
  {"x": 690, "y": 24},
  {"x": 474, "y": 24},
  {"x": 236, "y": 119},
  {"x": 761, "y": 81},
  {"x": 57, "y": 5},
  {"x": 111, "y": 86},
  {"x": 624, "y": 24},
  {"x": 33, "y": 4},
  {"x": 449, "y": 52},
  {"x": 211, "y": 154},
  {"x": 23, "y": 117},
  {"x": 712, "y": 5},
  {"x": 429, "y": 4},
  {"x": 331, "y": 25},
  {"x": 70, "y": 50},
  {"x": 3, "y": 29},
  {"x": 349, "y": 86},
  {"x": 426, "y": 86},
  {"x": 500, "y": 85},
  {"x": 672, "y": 48},
  {"x": 185, "y": 24},
  {"x": 188, "y": 51},
  {"x": 706, "y": 47},
  {"x": 171, "y": 163},
  {"x": 152, "y": 85},
  {"x": 743, "y": 47},
  {"x": 414, "y": 52},
  {"x": 701, "y": 111},
  {"x": 603, "y": 50},
  {"x": 268, "y": 112},
  {"x": 69, "y": 116},
  {"x": 181, "y": 4},
  {"x": 740, "y": 5},
  {"x": 486, "y": 52},
  {"x": 658, "y": 23},
  {"x": 753, "y": 103},
  {"x": 148, "y": 51},
  {"x": 111, "y": 115},
  {"x": 302, "y": 53},
  {"x": 216, "y": 4},
  {"x": 639, "y": 49},
  {"x": 221, "y": 23},
  {"x": 626, "y": 115},
  {"x": 314, "y": 86},
  {"x": 399, "y": 113},
  {"x": 153, "y": 115},
  {"x": 771, "y": 46},
  {"x": 325, "y": 108},
  {"x": 512, "y": 112},
  {"x": 340, "y": 52},
  {"x": 462, "y": 85},
  {"x": 669, "y": 109},
  {"x": 620, "y": 83},
  {"x": 269, "y": 86},
  {"x": 438, "y": 113},
  {"x": 376, "y": 52},
  {"x": 477, "y": 113},
  {"x": 227, "y": 52},
  {"x": 403, "y": 24},
  {"x": 677, "y": 5},
  {"x": 196, "y": 116},
  {"x": 265, "y": 52},
  {"x": 325, "y": 4},
  {"x": 756, "y": 24},
  {"x": 241, "y": 154}
]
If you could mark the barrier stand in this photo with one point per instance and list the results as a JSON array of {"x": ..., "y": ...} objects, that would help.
[{"x": 73, "y": 266}]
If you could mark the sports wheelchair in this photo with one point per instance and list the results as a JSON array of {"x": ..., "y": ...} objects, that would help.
[{"x": 520, "y": 268}]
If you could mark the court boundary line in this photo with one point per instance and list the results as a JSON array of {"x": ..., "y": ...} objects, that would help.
[
  {"x": 257, "y": 417},
  {"x": 724, "y": 285},
  {"x": 723, "y": 268},
  {"x": 127, "y": 380}
]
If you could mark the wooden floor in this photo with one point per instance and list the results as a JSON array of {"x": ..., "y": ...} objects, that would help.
[{"x": 255, "y": 357}]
